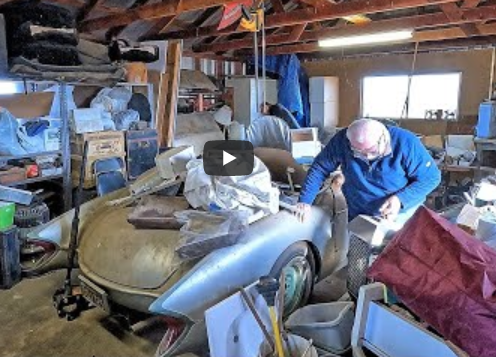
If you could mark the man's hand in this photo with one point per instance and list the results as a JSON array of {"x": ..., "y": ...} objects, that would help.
[
  {"x": 391, "y": 208},
  {"x": 302, "y": 211},
  {"x": 337, "y": 182}
]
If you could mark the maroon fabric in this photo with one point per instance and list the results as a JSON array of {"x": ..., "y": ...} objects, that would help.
[{"x": 446, "y": 277}]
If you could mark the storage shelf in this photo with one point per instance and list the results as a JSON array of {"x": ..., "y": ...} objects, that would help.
[
  {"x": 27, "y": 156},
  {"x": 34, "y": 180}
]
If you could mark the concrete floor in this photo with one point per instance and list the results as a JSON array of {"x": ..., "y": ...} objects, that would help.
[{"x": 29, "y": 325}]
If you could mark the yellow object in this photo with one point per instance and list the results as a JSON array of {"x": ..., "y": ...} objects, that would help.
[
  {"x": 277, "y": 333},
  {"x": 357, "y": 19},
  {"x": 255, "y": 24}
]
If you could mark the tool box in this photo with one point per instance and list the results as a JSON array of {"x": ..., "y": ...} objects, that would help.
[
  {"x": 10, "y": 264},
  {"x": 142, "y": 148}
]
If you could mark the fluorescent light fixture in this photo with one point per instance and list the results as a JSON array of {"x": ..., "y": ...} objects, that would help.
[{"x": 382, "y": 37}]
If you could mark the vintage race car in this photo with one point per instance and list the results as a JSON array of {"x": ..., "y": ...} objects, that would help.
[{"x": 136, "y": 270}]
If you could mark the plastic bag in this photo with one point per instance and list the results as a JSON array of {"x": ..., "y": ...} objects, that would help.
[
  {"x": 205, "y": 232},
  {"x": 9, "y": 143},
  {"x": 112, "y": 100},
  {"x": 250, "y": 192},
  {"x": 32, "y": 144},
  {"x": 123, "y": 120}
]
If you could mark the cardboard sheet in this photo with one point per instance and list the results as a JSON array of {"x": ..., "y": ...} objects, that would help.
[{"x": 27, "y": 106}]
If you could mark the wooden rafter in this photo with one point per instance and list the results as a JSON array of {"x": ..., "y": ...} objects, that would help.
[
  {"x": 278, "y": 6},
  {"x": 468, "y": 4},
  {"x": 411, "y": 22},
  {"x": 296, "y": 32},
  {"x": 454, "y": 13},
  {"x": 148, "y": 12},
  {"x": 421, "y": 36},
  {"x": 309, "y": 15},
  {"x": 85, "y": 10},
  {"x": 160, "y": 26}
]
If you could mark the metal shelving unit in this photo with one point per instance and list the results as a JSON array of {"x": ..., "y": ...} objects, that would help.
[{"x": 64, "y": 152}]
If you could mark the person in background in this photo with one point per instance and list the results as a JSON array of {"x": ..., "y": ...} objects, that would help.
[
  {"x": 386, "y": 171},
  {"x": 280, "y": 111}
]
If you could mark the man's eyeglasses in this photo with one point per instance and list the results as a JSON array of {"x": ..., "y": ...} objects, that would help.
[{"x": 373, "y": 153}]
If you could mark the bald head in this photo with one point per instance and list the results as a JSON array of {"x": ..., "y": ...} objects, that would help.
[{"x": 368, "y": 137}]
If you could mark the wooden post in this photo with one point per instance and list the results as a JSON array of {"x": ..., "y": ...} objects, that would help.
[{"x": 168, "y": 93}]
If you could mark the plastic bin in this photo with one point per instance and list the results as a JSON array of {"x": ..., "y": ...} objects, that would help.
[
  {"x": 329, "y": 325},
  {"x": 7, "y": 212},
  {"x": 297, "y": 346}
]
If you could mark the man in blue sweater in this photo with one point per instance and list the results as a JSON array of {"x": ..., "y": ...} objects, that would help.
[{"x": 387, "y": 171}]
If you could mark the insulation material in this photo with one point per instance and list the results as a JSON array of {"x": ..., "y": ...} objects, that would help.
[
  {"x": 195, "y": 80},
  {"x": 196, "y": 129},
  {"x": 446, "y": 277}
]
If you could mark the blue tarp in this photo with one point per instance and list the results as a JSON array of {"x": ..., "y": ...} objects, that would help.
[{"x": 293, "y": 85}]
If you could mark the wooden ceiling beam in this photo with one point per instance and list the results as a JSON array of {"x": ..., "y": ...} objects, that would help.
[
  {"x": 421, "y": 36},
  {"x": 278, "y": 6},
  {"x": 149, "y": 12},
  {"x": 454, "y": 13},
  {"x": 412, "y": 22},
  {"x": 296, "y": 32},
  {"x": 309, "y": 15},
  {"x": 470, "y": 4},
  {"x": 159, "y": 26}
]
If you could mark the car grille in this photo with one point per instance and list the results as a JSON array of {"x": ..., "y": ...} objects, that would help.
[{"x": 358, "y": 262}]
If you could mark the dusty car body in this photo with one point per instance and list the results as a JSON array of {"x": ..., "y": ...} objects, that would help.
[{"x": 138, "y": 270}]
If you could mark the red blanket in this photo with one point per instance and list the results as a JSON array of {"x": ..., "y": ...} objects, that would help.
[{"x": 445, "y": 276}]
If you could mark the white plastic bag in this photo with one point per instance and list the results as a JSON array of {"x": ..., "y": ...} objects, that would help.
[
  {"x": 9, "y": 143},
  {"x": 32, "y": 144},
  {"x": 123, "y": 120},
  {"x": 250, "y": 192}
]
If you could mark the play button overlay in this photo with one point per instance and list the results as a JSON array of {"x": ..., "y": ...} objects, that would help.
[{"x": 228, "y": 158}]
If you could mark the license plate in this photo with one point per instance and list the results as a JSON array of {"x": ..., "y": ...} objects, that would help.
[{"x": 94, "y": 294}]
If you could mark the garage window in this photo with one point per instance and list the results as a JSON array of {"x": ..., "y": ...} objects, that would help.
[
  {"x": 10, "y": 87},
  {"x": 385, "y": 96}
]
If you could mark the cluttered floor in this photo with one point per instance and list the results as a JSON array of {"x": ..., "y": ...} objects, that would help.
[{"x": 30, "y": 326}]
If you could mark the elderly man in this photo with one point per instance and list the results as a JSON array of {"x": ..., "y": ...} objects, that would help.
[{"x": 387, "y": 171}]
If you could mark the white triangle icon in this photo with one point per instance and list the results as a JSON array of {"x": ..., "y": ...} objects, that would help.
[{"x": 227, "y": 158}]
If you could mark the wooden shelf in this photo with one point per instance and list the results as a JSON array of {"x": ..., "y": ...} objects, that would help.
[
  {"x": 34, "y": 180},
  {"x": 27, "y": 156}
]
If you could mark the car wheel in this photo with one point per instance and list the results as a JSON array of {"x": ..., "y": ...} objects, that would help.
[{"x": 298, "y": 264}]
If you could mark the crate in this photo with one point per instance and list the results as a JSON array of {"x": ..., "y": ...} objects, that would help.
[
  {"x": 103, "y": 143},
  {"x": 142, "y": 148},
  {"x": 10, "y": 260},
  {"x": 89, "y": 179}
]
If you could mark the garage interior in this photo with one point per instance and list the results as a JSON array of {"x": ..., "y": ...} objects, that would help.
[{"x": 248, "y": 178}]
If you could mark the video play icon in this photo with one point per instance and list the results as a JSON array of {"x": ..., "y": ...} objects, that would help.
[{"x": 228, "y": 158}]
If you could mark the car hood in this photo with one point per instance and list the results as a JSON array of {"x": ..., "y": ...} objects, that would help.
[{"x": 114, "y": 250}]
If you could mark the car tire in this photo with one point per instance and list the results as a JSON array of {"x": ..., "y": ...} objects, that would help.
[{"x": 298, "y": 263}]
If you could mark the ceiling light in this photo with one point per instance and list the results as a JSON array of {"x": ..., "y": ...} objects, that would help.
[{"x": 382, "y": 37}]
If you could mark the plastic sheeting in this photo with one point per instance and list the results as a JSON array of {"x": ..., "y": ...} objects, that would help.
[
  {"x": 269, "y": 132},
  {"x": 446, "y": 277},
  {"x": 9, "y": 142},
  {"x": 293, "y": 90},
  {"x": 252, "y": 192}
]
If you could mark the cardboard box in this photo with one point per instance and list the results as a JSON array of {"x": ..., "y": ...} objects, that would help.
[
  {"x": 52, "y": 139},
  {"x": 103, "y": 143},
  {"x": 433, "y": 141},
  {"x": 324, "y": 89},
  {"x": 324, "y": 114},
  {"x": 26, "y": 106},
  {"x": 305, "y": 143}
]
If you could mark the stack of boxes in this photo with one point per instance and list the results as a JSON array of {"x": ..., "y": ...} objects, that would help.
[
  {"x": 324, "y": 102},
  {"x": 101, "y": 145}
]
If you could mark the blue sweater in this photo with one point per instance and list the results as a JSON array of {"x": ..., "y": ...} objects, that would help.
[{"x": 408, "y": 172}]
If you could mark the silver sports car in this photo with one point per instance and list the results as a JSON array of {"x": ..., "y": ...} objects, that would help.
[{"x": 136, "y": 270}]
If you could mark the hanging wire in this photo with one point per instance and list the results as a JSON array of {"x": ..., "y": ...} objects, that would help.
[
  {"x": 406, "y": 106},
  {"x": 264, "y": 71},
  {"x": 491, "y": 77}
]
